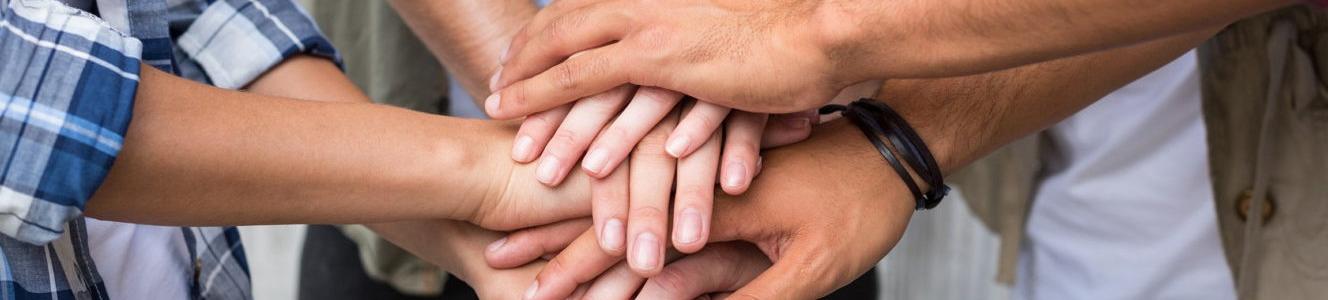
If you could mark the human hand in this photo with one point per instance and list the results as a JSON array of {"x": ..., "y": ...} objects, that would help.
[
  {"x": 560, "y": 136},
  {"x": 459, "y": 249},
  {"x": 817, "y": 246},
  {"x": 757, "y": 56}
]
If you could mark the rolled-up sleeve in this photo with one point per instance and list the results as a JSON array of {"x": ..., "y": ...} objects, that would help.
[
  {"x": 235, "y": 41},
  {"x": 67, "y": 84}
]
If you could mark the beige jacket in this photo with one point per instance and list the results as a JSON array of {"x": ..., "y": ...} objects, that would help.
[{"x": 1266, "y": 110}]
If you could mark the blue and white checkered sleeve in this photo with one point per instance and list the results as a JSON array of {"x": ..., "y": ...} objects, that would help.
[
  {"x": 235, "y": 41},
  {"x": 67, "y": 83}
]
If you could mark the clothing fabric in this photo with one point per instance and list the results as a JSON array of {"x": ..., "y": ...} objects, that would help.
[
  {"x": 68, "y": 75},
  {"x": 1265, "y": 109},
  {"x": 1126, "y": 202}
]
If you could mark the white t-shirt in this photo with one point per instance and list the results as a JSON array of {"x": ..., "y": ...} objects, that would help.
[
  {"x": 1125, "y": 210},
  {"x": 140, "y": 261}
]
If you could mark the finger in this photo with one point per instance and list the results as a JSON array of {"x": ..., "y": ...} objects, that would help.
[
  {"x": 651, "y": 179},
  {"x": 580, "y": 29},
  {"x": 799, "y": 274},
  {"x": 721, "y": 267},
  {"x": 535, "y": 132},
  {"x": 536, "y": 24},
  {"x": 695, "y": 195},
  {"x": 577, "y": 264},
  {"x": 784, "y": 129},
  {"x": 524, "y": 246},
  {"x": 620, "y": 282},
  {"x": 742, "y": 141},
  {"x": 578, "y": 129},
  {"x": 609, "y": 209},
  {"x": 696, "y": 126},
  {"x": 580, "y": 292},
  {"x": 646, "y": 109},
  {"x": 586, "y": 73}
]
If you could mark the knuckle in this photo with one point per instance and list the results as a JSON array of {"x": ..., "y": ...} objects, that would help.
[
  {"x": 648, "y": 213},
  {"x": 564, "y": 138},
  {"x": 563, "y": 28},
  {"x": 565, "y": 76},
  {"x": 517, "y": 98},
  {"x": 696, "y": 194},
  {"x": 671, "y": 280}
]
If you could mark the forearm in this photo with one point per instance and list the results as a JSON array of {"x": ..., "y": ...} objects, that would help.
[
  {"x": 910, "y": 39},
  {"x": 307, "y": 77},
  {"x": 964, "y": 118},
  {"x": 467, "y": 36},
  {"x": 198, "y": 155}
]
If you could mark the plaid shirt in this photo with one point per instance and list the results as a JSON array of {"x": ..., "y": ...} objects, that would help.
[{"x": 68, "y": 77}]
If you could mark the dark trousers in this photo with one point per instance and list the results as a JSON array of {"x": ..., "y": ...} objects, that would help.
[{"x": 330, "y": 269}]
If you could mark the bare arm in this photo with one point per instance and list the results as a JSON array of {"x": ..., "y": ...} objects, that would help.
[
  {"x": 823, "y": 237},
  {"x": 787, "y": 56},
  {"x": 954, "y": 37},
  {"x": 198, "y": 155},
  {"x": 466, "y": 35}
]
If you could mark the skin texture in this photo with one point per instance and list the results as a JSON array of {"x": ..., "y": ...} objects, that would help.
[
  {"x": 467, "y": 35},
  {"x": 198, "y": 155},
  {"x": 787, "y": 56},
  {"x": 860, "y": 210}
]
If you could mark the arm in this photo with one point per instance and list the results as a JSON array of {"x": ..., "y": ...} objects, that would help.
[
  {"x": 793, "y": 55},
  {"x": 861, "y": 208},
  {"x": 466, "y": 36},
  {"x": 197, "y": 155}
]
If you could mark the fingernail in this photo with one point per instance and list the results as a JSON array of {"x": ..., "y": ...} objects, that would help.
[
  {"x": 491, "y": 104},
  {"x": 493, "y": 81},
  {"x": 759, "y": 164},
  {"x": 612, "y": 235},
  {"x": 530, "y": 292},
  {"x": 548, "y": 170},
  {"x": 496, "y": 245},
  {"x": 596, "y": 161},
  {"x": 647, "y": 251},
  {"x": 734, "y": 175},
  {"x": 522, "y": 149},
  {"x": 678, "y": 145},
  {"x": 796, "y": 123},
  {"x": 690, "y": 230}
]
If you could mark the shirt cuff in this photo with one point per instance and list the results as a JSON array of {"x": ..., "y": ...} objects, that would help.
[
  {"x": 68, "y": 82},
  {"x": 235, "y": 41}
]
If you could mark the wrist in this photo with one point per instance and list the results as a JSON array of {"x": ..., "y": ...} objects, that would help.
[{"x": 843, "y": 32}]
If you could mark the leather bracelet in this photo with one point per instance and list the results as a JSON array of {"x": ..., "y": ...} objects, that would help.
[
  {"x": 927, "y": 168},
  {"x": 877, "y": 120},
  {"x": 873, "y": 132}
]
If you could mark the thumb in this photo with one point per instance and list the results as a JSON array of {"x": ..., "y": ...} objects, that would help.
[{"x": 798, "y": 273}]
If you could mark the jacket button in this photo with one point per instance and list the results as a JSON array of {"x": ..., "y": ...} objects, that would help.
[{"x": 1243, "y": 206}]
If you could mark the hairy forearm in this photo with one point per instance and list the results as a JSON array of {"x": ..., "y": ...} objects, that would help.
[
  {"x": 198, "y": 155},
  {"x": 911, "y": 39},
  {"x": 964, "y": 118},
  {"x": 467, "y": 36}
]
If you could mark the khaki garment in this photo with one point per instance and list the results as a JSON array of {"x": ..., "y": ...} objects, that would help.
[
  {"x": 385, "y": 59},
  {"x": 1265, "y": 105}
]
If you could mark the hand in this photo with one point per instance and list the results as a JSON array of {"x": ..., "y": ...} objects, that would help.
[
  {"x": 754, "y": 56},
  {"x": 715, "y": 273},
  {"x": 459, "y": 249},
  {"x": 819, "y": 239}
]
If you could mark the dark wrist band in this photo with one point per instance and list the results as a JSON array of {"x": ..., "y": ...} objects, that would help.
[
  {"x": 877, "y": 120},
  {"x": 925, "y": 163}
]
